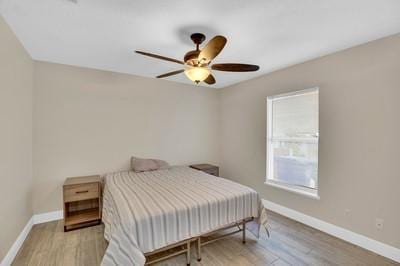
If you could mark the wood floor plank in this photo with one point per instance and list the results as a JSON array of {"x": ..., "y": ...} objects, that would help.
[
  {"x": 281, "y": 262},
  {"x": 291, "y": 243}
]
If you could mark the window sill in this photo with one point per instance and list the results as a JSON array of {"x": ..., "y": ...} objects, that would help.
[{"x": 303, "y": 192}]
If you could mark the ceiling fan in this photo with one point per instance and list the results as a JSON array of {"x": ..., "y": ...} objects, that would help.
[{"x": 197, "y": 62}]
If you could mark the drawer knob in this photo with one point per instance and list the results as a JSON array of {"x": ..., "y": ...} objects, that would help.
[{"x": 84, "y": 191}]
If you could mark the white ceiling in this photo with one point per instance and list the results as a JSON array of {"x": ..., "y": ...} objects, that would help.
[{"x": 103, "y": 34}]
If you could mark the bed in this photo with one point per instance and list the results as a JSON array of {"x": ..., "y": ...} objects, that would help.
[{"x": 149, "y": 211}]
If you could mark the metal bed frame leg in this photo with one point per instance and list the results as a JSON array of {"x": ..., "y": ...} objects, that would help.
[
  {"x": 199, "y": 249},
  {"x": 188, "y": 253},
  {"x": 200, "y": 243},
  {"x": 244, "y": 232}
]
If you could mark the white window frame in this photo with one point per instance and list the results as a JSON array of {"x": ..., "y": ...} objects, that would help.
[{"x": 308, "y": 192}]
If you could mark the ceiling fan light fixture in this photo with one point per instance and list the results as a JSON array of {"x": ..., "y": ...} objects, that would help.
[{"x": 197, "y": 74}]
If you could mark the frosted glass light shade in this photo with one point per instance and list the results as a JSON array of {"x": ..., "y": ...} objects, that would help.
[{"x": 197, "y": 74}]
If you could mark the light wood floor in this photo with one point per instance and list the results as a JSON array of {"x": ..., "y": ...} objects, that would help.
[{"x": 291, "y": 243}]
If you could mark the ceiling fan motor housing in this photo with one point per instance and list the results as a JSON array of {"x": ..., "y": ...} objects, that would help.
[{"x": 191, "y": 57}]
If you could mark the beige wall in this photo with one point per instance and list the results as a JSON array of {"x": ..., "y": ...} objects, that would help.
[
  {"x": 16, "y": 81},
  {"x": 91, "y": 122},
  {"x": 359, "y": 136}
]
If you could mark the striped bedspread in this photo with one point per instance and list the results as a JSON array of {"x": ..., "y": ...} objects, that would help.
[{"x": 146, "y": 211}]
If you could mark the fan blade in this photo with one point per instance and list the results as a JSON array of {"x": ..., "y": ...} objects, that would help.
[
  {"x": 170, "y": 73},
  {"x": 210, "y": 79},
  {"x": 160, "y": 57},
  {"x": 235, "y": 67},
  {"x": 212, "y": 49}
]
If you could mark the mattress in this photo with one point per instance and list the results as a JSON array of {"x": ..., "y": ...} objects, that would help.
[{"x": 145, "y": 211}]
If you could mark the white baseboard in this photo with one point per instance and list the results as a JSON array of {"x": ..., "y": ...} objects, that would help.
[
  {"x": 339, "y": 232},
  {"x": 12, "y": 252},
  {"x": 48, "y": 217},
  {"x": 35, "y": 219}
]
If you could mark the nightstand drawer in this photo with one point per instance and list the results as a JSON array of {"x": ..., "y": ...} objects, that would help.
[{"x": 81, "y": 192}]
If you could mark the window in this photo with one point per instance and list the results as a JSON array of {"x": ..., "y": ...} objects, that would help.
[{"x": 292, "y": 142}]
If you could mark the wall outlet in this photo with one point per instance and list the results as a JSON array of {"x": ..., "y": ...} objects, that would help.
[{"x": 379, "y": 223}]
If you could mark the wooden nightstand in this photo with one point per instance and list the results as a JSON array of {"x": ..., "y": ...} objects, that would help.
[
  {"x": 82, "y": 202},
  {"x": 207, "y": 168}
]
